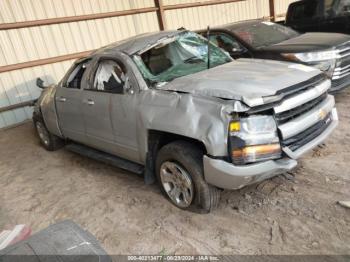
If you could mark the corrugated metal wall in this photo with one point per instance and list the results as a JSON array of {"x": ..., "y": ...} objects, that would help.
[
  {"x": 200, "y": 17},
  {"x": 281, "y": 7},
  {"x": 32, "y": 43}
]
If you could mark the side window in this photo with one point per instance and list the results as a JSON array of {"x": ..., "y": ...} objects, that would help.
[
  {"x": 111, "y": 77},
  {"x": 343, "y": 8},
  {"x": 329, "y": 7},
  {"x": 305, "y": 10},
  {"x": 74, "y": 79},
  {"x": 226, "y": 43}
]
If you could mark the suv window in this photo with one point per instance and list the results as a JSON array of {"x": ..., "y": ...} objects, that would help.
[
  {"x": 303, "y": 10},
  {"x": 343, "y": 7},
  {"x": 328, "y": 7},
  {"x": 225, "y": 42},
  {"x": 110, "y": 76},
  {"x": 75, "y": 77}
]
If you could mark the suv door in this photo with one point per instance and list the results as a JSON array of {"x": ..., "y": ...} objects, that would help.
[
  {"x": 305, "y": 16},
  {"x": 109, "y": 109},
  {"x": 68, "y": 102}
]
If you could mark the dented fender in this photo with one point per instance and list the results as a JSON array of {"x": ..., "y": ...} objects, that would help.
[{"x": 204, "y": 119}]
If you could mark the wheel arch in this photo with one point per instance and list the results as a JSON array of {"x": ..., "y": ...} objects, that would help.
[{"x": 156, "y": 140}]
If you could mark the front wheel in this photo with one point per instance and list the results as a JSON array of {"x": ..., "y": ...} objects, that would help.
[
  {"x": 49, "y": 141},
  {"x": 179, "y": 168}
]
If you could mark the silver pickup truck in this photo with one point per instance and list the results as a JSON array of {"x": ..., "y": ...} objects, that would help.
[{"x": 154, "y": 104}]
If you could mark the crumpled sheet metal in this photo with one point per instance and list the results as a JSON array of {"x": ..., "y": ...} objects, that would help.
[
  {"x": 202, "y": 118},
  {"x": 247, "y": 80},
  {"x": 46, "y": 103}
]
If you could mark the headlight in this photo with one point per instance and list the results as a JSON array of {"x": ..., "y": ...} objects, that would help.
[
  {"x": 312, "y": 56},
  {"x": 254, "y": 139},
  {"x": 324, "y": 60}
]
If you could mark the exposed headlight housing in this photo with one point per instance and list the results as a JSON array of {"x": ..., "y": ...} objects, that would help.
[
  {"x": 254, "y": 139},
  {"x": 325, "y": 66},
  {"x": 323, "y": 60}
]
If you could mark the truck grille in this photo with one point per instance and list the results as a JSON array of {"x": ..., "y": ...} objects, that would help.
[
  {"x": 305, "y": 104},
  {"x": 295, "y": 112},
  {"x": 342, "y": 68},
  {"x": 308, "y": 135}
]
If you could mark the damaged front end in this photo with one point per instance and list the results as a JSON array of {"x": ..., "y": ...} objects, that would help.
[
  {"x": 254, "y": 117},
  {"x": 266, "y": 140}
]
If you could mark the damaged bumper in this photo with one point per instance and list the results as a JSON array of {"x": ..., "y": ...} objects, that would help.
[{"x": 228, "y": 176}]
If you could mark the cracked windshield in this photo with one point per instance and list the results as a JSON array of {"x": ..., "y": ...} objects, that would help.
[{"x": 179, "y": 56}]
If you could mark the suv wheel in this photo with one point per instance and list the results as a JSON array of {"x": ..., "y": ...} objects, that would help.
[
  {"x": 48, "y": 140},
  {"x": 179, "y": 168}
]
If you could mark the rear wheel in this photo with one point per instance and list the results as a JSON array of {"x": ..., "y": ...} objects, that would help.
[
  {"x": 49, "y": 141},
  {"x": 179, "y": 168}
]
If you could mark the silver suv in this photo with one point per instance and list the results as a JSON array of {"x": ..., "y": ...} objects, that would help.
[{"x": 156, "y": 104}]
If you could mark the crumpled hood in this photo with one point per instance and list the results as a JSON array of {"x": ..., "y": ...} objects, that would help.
[
  {"x": 309, "y": 42},
  {"x": 247, "y": 80}
]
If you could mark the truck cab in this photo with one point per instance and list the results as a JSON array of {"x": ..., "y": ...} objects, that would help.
[{"x": 319, "y": 16}]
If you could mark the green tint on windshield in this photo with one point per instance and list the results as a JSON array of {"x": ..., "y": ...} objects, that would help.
[{"x": 187, "y": 54}]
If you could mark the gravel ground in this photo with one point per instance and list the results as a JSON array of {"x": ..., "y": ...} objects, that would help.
[{"x": 292, "y": 214}]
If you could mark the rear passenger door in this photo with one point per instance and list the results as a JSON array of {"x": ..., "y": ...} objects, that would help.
[{"x": 68, "y": 102}]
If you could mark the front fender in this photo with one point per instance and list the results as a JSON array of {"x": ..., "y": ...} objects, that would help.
[{"x": 200, "y": 118}]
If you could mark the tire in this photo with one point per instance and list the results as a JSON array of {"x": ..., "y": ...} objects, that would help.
[
  {"x": 49, "y": 141},
  {"x": 184, "y": 159}
]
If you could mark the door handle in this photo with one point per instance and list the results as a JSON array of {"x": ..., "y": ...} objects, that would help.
[
  {"x": 62, "y": 99},
  {"x": 90, "y": 102}
]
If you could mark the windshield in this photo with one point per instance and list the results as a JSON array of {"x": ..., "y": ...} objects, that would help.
[
  {"x": 264, "y": 34},
  {"x": 182, "y": 55}
]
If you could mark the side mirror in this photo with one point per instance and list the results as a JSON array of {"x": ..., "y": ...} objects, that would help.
[
  {"x": 40, "y": 83},
  {"x": 237, "y": 51}
]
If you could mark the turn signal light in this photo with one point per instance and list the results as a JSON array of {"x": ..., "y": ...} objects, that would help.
[
  {"x": 256, "y": 153},
  {"x": 235, "y": 126}
]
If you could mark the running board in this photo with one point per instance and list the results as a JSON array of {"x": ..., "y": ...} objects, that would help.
[{"x": 106, "y": 158}]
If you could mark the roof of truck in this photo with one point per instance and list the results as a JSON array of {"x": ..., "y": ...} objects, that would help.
[{"x": 136, "y": 43}]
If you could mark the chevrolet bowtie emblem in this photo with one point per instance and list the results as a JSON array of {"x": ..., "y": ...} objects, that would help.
[{"x": 322, "y": 114}]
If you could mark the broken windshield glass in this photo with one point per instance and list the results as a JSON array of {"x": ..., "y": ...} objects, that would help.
[{"x": 184, "y": 55}]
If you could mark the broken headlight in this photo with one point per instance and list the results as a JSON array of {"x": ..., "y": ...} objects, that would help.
[{"x": 253, "y": 139}]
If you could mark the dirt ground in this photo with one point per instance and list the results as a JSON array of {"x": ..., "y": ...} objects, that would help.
[{"x": 292, "y": 214}]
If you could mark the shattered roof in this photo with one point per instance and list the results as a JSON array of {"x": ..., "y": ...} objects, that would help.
[{"x": 136, "y": 43}]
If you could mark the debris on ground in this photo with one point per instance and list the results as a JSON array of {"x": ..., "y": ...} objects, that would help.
[{"x": 344, "y": 203}]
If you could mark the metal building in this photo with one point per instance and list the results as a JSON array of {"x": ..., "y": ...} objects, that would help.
[{"x": 41, "y": 38}]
